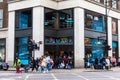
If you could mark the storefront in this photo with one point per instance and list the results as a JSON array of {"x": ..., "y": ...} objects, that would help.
[
  {"x": 59, "y": 33},
  {"x": 23, "y": 32},
  {"x": 61, "y": 29},
  {"x": 93, "y": 49},
  {"x": 2, "y": 49}
]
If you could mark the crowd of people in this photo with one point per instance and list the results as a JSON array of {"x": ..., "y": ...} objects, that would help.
[
  {"x": 103, "y": 63},
  {"x": 43, "y": 64},
  {"x": 65, "y": 62}
]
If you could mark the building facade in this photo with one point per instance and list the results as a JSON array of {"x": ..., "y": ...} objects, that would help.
[
  {"x": 3, "y": 29},
  {"x": 65, "y": 27}
]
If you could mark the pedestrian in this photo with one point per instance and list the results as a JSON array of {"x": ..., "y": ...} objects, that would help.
[
  {"x": 86, "y": 62},
  {"x": 113, "y": 61},
  {"x": 48, "y": 65},
  {"x": 18, "y": 65},
  {"x": 91, "y": 63},
  {"x": 43, "y": 64},
  {"x": 33, "y": 64},
  {"x": 104, "y": 63},
  {"x": 119, "y": 61},
  {"x": 18, "y": 70},
  {"x": 37, "y": 63},
  {"x": 96, "y": 63},
  {"x": 107, "y": 63}
]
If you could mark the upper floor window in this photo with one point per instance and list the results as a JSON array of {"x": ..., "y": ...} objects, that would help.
[
  {"x": 95, "y": 22},
  {"x": 114, "y": 26},
  {"x": 114, "y": 4},
  {"x": 1, "y": 18},
  {"x": 58, "y": 19},
  {"x": 50, "y": 18},
  {"x": 97, "y": 0},
  {"x": 24, "y": 19},
  {"x": 110, "y": 3},
  {"x": 66, "y": 18}
]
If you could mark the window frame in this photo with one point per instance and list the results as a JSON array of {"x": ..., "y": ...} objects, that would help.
[{"x": 1, "y": 18}]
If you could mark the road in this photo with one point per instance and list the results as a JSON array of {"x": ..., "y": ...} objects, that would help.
[{"x": 83, "y": 75}]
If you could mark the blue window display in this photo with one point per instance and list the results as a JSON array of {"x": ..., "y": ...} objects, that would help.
[
  {"x": 23, "y": 40},
  {"x": 98, "y": 24},
  {"x": 114, "y": 44},
  {"x": 23, "y": 50},
  {"x": 98, "y": 50},
  {"x": 23, "y": 21}
]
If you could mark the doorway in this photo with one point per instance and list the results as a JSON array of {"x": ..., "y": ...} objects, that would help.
[{"x": 55, "y": 51}]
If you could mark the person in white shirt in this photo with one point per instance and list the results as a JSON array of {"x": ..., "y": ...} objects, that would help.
[{"x": 107, "y": 63}]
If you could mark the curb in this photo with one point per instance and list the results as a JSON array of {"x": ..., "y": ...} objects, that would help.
[{"x": 74, "y": 70}]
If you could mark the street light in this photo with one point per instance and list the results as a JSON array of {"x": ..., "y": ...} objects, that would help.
[{"x": 106, "y": 25}]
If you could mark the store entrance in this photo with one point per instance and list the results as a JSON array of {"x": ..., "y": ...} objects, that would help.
[{"x": 56, "y": 51}]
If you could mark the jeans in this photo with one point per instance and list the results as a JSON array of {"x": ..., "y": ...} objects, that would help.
[{"x": 48, "y": 66}]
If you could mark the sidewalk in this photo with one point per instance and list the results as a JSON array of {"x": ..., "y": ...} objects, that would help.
[{"x": 75, "y": 70}]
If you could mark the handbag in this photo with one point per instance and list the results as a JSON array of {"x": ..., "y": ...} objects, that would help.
[
  {"x": 43, "y": 63},
  {"x": 51, "y": 61}
]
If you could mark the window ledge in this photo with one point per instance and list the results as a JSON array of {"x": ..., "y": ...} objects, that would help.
[{"x": 3, "y": 29}]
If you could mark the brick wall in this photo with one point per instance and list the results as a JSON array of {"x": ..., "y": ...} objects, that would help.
[{"x": 4, "y": 6}]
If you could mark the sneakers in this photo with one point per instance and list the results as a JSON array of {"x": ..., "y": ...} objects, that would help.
[{"x": 44, "y": 72}]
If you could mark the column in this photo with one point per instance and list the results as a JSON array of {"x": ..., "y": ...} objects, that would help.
[
  {"x": 110, "y": 35},
  {"x": 11, "y": 38},
  {"x": 79, "y": 37},
  {"x": 38, "y": 29},
  {"x": 119, "y": 38}
]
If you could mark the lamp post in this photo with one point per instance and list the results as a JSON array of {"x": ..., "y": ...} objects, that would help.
[{"x": 106, "y": 26}]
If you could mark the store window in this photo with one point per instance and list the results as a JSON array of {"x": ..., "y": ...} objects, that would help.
[
  {"x": 115, "y": 49},
  {"x": 59, "y": 40},
  {"x": 114, "y": 26},
  {"x": 95, "y": 22},
  {"x": 24, "y": 19},
  {"x": 1, "y": 18},
  {"x": 2, "y": 50},
  {"x": 22, "y": 49},
  {"x": 51, "y": 20},
  {"x": 93, "y": 49},
  {"x": 66, "y": 18}
]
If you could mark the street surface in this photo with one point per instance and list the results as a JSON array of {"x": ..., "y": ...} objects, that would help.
[{"x": 61, "y": 75}]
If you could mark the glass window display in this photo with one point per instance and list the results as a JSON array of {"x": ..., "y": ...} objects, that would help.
[
  {"x": 22, "y": 50},
  {"x": 24, "y": 19},
  {"x": 114, "y": 26},
  {"x": 95, "y": 22},
  {"x": 2, "y": 50}
]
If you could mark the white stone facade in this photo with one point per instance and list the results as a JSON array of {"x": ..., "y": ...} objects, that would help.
[{"x": 38, "y": 20}]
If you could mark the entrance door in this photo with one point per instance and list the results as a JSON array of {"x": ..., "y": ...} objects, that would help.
[{"x": 59, "y": 50}]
